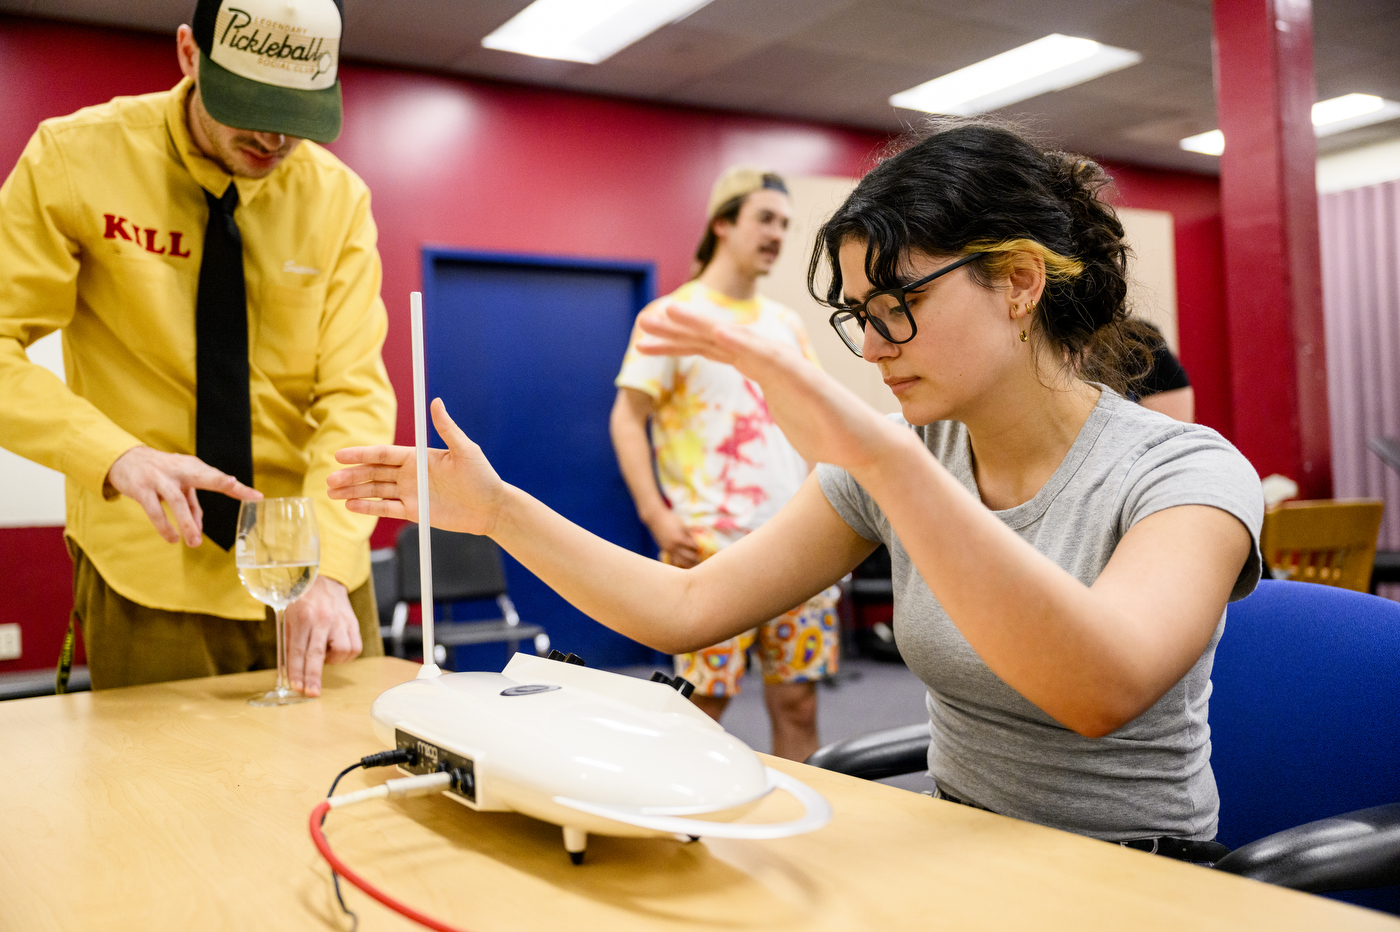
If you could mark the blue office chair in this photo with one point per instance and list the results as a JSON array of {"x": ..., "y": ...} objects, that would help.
[{"x": 1305, "y": 742}]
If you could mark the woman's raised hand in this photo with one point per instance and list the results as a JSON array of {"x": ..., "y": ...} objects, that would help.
[
  {"x": 466, "y": 492},
  {"x": 823, "y": 419}
]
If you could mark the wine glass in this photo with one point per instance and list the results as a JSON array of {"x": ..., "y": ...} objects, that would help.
[{"x": 277, "y": 552}]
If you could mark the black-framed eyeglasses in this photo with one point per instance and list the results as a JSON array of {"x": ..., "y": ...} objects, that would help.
[{"x": 887, "y": 311}]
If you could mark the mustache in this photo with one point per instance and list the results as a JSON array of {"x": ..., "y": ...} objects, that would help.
[{"x": 251, "y": 142}]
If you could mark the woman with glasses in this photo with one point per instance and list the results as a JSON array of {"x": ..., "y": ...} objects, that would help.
[{"x": 1061, "y": 557}]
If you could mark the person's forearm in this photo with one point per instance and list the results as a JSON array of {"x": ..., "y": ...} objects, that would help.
[
  {"x": 1038, "y": 628},
  {"x": 633, "y": 449},
  {"x": 662, "y": 606}
]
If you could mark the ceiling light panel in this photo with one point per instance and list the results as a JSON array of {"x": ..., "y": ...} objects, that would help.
[
  {"x": 1350, "y": 111},
  {"x": 1328, "y": 116},
  {"x": 587, "y": 31},
  {"x": 1049, "y": 64},
  {"x": 1211, "y": 143}
]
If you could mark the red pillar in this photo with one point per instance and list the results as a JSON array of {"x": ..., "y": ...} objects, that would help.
[{"x": 1273, "y": 269}]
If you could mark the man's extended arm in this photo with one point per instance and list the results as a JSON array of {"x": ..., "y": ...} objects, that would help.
[{"x": 628, "y": 427}]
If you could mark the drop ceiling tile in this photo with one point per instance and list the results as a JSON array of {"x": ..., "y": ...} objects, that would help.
[
  {"x": 667, "y": 59},
  {"x": 1162, "y": 31},
  {"x": 898, "y": 33},
  {"x": 764, "y": 20},
  {"x": 1364, "y": 71},
  {"x": 422, "y": 33},
  {"x": 1363, "y": 136},
  {"x": 507, "y": 66},
  {"x": 1162, "y": 84},
  {"x": 1070, "y": 17},
  {"x": 150, "y": 15}
]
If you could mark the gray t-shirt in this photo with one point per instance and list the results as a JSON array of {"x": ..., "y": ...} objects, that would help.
[{"x": 991, "y": 746}]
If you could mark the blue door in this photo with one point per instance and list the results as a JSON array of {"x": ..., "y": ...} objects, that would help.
[{"x": 523, "y": 351}]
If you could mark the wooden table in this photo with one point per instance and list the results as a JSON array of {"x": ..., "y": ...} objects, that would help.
[{"x": 178, "y": 806}]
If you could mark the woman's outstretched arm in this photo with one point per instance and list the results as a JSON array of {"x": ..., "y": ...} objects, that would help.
[
  {"x": 800, "y": 551},
  {"x": 1092, "y": 657}
]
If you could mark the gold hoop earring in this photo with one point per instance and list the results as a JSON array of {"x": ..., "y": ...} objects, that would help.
[{"x": 1023, "y": 336}]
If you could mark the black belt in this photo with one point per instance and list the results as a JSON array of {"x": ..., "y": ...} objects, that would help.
[
  {"x": 1178, "y": 849},
  {"x": 940, "y": 793}
]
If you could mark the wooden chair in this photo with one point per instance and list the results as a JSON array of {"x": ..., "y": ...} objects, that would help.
[{"x": 1328, "y": 542}]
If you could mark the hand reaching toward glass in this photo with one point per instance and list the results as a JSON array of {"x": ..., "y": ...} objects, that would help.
[
  {"x": 154, "y": 479},
  {"x": 823, "y": 419},
  {"x": 466, "y": 493},
  {"x": 278, "y": 551}
]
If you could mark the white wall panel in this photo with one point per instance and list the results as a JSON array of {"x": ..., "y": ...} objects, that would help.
[{"x": 30, "y": 495}]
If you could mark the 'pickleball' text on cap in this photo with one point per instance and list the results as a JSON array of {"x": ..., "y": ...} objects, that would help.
[{"x": 270, "y": 65}]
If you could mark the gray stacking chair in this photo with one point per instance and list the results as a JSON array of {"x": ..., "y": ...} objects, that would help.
[
  {"x": 465, "y": 568},
  {"x": 384, "y": 571}
]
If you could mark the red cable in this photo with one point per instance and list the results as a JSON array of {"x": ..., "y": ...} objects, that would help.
[{"x": 317, "y": 816}]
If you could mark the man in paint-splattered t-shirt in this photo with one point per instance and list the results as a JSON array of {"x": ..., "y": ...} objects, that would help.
[{"x": 722, "y": 465}]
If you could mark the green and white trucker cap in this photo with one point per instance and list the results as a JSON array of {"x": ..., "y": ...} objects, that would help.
[{"x": 270, "y": 65}]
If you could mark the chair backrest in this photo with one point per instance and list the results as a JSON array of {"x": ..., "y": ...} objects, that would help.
[
  {"x": 465, "y": 566},
  {"x": 384, "y": 570},
  {"x": 1328, "y": 542},
  {"x": 1305, "y": 708}
]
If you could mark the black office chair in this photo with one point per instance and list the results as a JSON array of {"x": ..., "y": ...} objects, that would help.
[
  {"x": 869, "y": 584},
  {"x": 1305, "y": 723},
  {"x": 465, "y": 568},
  {"x": 384, "y": 572},
  {"x": 1386, "y": 568}
]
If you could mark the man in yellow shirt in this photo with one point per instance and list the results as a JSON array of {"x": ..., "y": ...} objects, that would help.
[{"x": 216, "y": 279}]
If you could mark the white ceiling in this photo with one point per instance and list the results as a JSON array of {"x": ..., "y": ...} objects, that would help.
[{"x": 838, "y": 61}]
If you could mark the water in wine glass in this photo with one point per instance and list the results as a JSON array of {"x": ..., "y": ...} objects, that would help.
[
  {"x": 277, "y": 584},
  {"x": 277, "y": 553}
]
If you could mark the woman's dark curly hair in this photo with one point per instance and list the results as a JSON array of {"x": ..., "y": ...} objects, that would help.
[{"x": 965, "y": 185}]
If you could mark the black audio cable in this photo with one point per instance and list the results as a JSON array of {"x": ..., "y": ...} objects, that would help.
[{"x": 382, "y": 759}]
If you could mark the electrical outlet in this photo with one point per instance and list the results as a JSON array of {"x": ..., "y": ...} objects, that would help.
[{"x": 9, "y": 642}]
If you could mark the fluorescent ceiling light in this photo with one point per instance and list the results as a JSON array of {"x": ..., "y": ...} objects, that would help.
[
  {"x": 1049, "y": 64},
  {"x": 1211, "y": 143},
  {"x": 1328, "y": 116},
  {"x": 1350, "y": 111},
  {"x": 587, "y": 31},
  {"x": 1344, "y": 108}
]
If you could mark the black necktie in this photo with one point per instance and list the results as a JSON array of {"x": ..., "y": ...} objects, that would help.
[{"x": 223, "y": 413}]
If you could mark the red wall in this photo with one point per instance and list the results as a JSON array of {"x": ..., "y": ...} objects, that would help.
[
  {"x": 1194, "y": 202},
  {"x": 510, "y": 168}
]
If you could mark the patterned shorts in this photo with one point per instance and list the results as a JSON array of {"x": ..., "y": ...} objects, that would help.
[{"x": 799, "y": 646}]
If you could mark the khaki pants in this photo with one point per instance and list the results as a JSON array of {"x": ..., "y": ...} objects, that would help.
[{"x": 129, "y": 644}]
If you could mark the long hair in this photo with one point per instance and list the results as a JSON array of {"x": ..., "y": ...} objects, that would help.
[{"x": 966, "y": 185}]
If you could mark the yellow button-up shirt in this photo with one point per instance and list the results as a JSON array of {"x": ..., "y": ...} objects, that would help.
[{"x": 101, "y": 233}]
